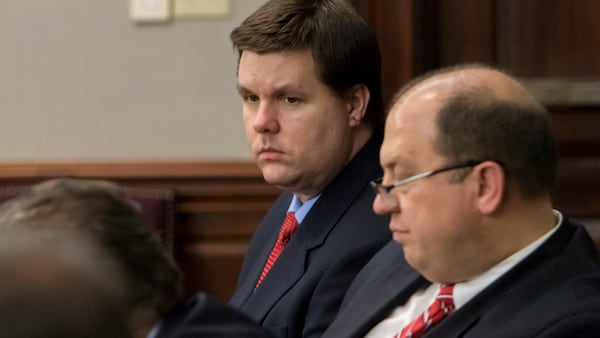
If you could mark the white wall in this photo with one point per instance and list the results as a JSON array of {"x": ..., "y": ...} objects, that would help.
[{"x": 80, "y": 80}]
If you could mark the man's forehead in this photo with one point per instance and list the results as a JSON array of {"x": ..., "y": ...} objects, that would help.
[
  {"x": 391, "y": 157},
  {"x": 410, "y": 125},
  {"x": 429, "y": 90},
  {"x": 417, "y": 107},
  {"x": 279, "y": 70}
]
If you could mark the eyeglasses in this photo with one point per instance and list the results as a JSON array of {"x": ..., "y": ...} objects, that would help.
[{"x": 384, "y": 190}]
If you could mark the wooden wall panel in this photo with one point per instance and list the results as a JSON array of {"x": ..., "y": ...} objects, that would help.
[
  {"x": 464, "y": 31},
  {"x": 577, "y": 192},
  {"x": 530, "y": 38},
  {"x": 217, "y": 205},
  {"x": 577, "y": 132},
  {"x": 549, "y": 38},
  {"x": 578, "y": 185},
  {"x": 395, "y": 36}
]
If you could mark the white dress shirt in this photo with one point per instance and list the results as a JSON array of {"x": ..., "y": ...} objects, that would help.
[{"x": 463, "y": 292}]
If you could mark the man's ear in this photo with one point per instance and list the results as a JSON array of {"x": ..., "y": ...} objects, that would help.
[
  {"x": 491, "y": 179},
  {"x": 357, "y": 101}
]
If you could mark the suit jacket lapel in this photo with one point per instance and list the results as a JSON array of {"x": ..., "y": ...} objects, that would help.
[
  {"x": 376, "y": 301},
  {"x": 275, "y": 216},
  {"x": 312, "y": 232},
  {"x": 517, "y": 280},
  {"x": 338, "y": 197},
  {"x": 286, "y": 271}
]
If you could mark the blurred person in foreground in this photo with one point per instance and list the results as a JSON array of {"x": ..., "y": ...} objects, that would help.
[
  {"x": 469, "y": 164},
  {"x": 309, "y": 80},
  {"x": 59, "y": 286},
  {"x": 101, "y": 210}
]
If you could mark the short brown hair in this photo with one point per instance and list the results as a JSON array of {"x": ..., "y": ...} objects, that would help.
[
  {"x": 101, "y": 210},
  {"x": 343, "y": 46},
  {"x": 475, "y": 125}
]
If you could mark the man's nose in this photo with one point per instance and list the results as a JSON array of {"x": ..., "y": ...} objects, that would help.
[
  {"x": 382, "y": 207},
  {"x": 266, "y": 120}
]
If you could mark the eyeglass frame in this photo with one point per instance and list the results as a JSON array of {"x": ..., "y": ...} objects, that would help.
[{"x": 384, "y": 189}]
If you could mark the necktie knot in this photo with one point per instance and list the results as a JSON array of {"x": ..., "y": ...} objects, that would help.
[
  {"x": 442, "y": 306},
  {"x": 445, "y": 296}
]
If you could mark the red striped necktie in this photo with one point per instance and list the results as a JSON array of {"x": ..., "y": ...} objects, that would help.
[
  {"x": 285, "y": 233},
  {"x": 438, "y": 310}
]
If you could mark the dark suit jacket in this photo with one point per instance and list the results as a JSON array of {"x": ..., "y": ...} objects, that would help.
[
  {"x": 300, "y": 295},
  {"x": 205, "y": 317},
  {"x": 554, "y": 292}
]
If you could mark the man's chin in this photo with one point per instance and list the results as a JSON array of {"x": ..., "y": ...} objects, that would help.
[
  {"x": 279, "y": 175},
  {"x": 274, "y": 179},
  {"x": 279, "y": 183}
]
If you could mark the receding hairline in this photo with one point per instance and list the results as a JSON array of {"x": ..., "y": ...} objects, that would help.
[{"x": 488, "y": 83}]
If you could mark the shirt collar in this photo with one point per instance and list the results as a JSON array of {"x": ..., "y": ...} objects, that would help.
[
  {"x": 463, "y": 292},
  {"x": 301, "y": 209}
]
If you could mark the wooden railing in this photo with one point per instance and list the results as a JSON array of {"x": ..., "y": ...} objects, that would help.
[{"x": 219, "y": 204}]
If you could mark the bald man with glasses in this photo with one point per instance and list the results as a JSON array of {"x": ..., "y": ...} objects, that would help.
[
  {"x": 384, "y": 191},
  {"x": 469, "y": 162}
]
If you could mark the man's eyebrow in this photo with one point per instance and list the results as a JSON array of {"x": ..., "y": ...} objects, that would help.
[
  {"x": 397, "y": 161},
  {"x": 287, "y": 89},
  {"x": 242, "y": 90}
]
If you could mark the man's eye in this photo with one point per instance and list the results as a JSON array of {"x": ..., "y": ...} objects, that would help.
[
  {"x": 251, "y": 97},
  {"x": 291, "y": 100}
]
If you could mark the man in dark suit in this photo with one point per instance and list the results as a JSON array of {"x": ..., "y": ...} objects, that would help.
[
  {"x": 309, "y": 79},
  {"x": 469, "y": 162}
]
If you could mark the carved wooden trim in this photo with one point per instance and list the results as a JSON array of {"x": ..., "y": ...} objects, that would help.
[
  {"x": 127, "y": 169},
  {"x": 564, "y": 92}
]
